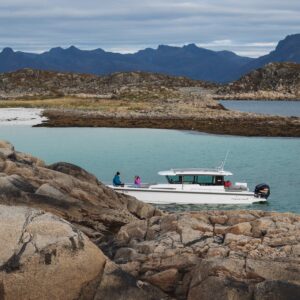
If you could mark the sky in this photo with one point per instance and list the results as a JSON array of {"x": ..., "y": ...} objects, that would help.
[{"x": 247, "y": 27}]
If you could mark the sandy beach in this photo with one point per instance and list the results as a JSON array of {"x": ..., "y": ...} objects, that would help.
[{"x": 21, "y": 116}]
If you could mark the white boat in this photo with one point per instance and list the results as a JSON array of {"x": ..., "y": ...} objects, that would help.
[{"x": 196, "y": 186}]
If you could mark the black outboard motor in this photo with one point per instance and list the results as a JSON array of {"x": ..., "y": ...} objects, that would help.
[{"x": 262, "y": 191}]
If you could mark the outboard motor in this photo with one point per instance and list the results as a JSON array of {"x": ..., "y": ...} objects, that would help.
[{"x": 262, "y": 191}]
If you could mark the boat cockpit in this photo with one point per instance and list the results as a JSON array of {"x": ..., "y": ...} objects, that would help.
[{"x": 196, "y": 179}]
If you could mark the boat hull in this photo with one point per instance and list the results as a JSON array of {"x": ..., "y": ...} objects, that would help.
[{"x": 190, "y": 197}]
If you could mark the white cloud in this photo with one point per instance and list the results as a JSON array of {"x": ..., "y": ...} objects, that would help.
[
  {"x": 258, "y": 45},
  {"x": 251, "y": 53}
]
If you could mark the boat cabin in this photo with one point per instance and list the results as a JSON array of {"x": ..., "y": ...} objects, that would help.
[{"x": 213, "y": 177}]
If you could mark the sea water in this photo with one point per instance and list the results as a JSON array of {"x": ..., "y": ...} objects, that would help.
[
  {"x": 280, "y": 108},
  {"x": 144, "y": 152}
]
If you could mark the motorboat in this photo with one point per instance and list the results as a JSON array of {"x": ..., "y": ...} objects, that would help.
[{"x": 196, "y": 186}]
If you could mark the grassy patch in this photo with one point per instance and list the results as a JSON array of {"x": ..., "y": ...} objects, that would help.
[{"x": 106, "y": 105}]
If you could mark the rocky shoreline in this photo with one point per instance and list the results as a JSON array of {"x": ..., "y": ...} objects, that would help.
[
  {"x": 257, "y": 96},
  {"x": 67, "y": 236},
  {"x": 214, "y": 253},
  {"x": 215, "y": 121}
]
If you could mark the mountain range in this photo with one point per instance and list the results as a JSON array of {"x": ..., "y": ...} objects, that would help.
[{"x": 189, "y": 61}]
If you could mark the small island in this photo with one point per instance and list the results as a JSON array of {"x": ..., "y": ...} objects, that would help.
[{"x": 151, "y": 100}]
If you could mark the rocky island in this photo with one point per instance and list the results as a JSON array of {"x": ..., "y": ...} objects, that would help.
[
  {"x": 274, "y": 81},
  {"x": 147, "y": 100},
  {"x": 69, "y": 236}
]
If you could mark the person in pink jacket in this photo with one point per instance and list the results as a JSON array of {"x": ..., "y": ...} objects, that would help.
[{"x": 137, "y": 180}]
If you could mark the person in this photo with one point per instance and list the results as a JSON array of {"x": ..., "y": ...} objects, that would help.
[
  {"x": 227, "y": 184},
  {"x": 137, "y": 180},
  {"x": 117, "y": 181}
]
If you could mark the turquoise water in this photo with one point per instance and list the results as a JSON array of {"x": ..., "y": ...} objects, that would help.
[
  {"x": 281, "y": 108},
  {"x": 103, "y": 151}
]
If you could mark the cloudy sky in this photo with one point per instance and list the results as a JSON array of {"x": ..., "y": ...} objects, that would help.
[{"x": 247, "y": 27}]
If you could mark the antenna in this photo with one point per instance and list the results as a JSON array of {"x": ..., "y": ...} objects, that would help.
[{"x": 224, "y": 162}]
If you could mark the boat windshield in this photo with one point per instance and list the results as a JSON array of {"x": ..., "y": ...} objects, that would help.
[
  {"x": 196, "y": 179},
  {"x": 174, "y": 179}
]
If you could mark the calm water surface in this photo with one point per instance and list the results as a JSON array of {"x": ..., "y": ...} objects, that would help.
[
  {"x": 281, "y": 108},
  {"x": 103, "y": 151}
]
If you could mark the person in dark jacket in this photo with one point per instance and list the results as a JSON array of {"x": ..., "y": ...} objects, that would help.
[{"x": 117, "y": 180}]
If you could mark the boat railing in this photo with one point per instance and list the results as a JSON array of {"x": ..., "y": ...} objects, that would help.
[
  {"x": 139, "y": 186},
  {"x": 236, "y": 188}
]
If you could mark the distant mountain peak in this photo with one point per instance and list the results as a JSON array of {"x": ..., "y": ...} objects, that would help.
[
  {"x": 164, "y": 47},
  {"x": 73, "y": 48},
  {"x": 290, "y": 40},
  {"x": 98, "y": 50},
  {"x": 191, "y": 46},
  {"x": 56, "y": 49},
  {"x": 287, "y": 50},
  {"x": 60, "y": 49},
  {"x": 7, "y": 50}
]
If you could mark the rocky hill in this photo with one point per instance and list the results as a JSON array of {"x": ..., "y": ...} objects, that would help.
[
  {"x": 29, "y": 83},
  {"x": 275, "y": 80},
  {"x": 190, "y": 60},
  {"x": 150, "y": 254}
]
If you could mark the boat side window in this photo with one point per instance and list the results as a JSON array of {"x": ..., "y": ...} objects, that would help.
[
  {"x": 188, "y": 179},
  {"x": 204, "y": 180},
  {"x": 174, "y": 179}
]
